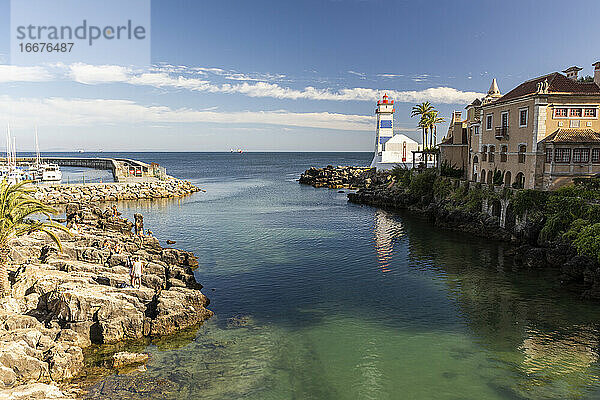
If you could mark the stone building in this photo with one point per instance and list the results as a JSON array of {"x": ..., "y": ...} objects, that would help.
[{"x": 539, "y": 135}]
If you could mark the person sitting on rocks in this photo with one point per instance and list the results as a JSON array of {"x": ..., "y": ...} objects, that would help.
[
  {"x": 74, "y": 228},
  {"x": 115, "y": 212},
  {"x": 136, "y": 272}
]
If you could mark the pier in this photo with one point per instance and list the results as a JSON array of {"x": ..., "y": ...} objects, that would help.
[{"x": 122, "y": 169}]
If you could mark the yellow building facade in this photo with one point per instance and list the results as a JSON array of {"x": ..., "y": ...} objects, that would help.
[{"x": 540, "y": 135}]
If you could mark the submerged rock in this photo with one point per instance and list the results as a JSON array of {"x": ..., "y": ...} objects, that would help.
[{"x": 125, "y": 358}]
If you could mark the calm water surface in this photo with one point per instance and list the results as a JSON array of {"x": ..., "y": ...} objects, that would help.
[{"x": 316, "y": 298}]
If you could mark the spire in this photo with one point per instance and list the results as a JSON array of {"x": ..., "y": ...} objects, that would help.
[{"x": 494, "y": 88}]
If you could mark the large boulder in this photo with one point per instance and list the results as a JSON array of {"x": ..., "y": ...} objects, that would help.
[{"x": 178, "y": 308}]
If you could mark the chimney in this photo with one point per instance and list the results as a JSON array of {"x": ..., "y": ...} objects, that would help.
[
  {"x": 596, "y": 66},
  {"x": 572, "y": 72}
]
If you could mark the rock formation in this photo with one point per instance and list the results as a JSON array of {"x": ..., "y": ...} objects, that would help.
[{"x": 63, "y": 302}]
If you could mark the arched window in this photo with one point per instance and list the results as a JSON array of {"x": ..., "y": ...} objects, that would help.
[
  {"x": 507, "y": 178},
  {"x": 490, "y": 177},
  {"x": 483, "y": 176},
  {"x": 519, "y": 181},
  {"x": 475, "y": 164}
]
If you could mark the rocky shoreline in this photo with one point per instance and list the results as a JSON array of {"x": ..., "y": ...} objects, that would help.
[
  {"x": 103, "y": 192},
  {"x": 64, "y": 302},
  {"x": 381, "y": 189}
]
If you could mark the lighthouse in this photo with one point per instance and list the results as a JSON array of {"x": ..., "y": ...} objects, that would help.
[{"x": 390, "y": 149}]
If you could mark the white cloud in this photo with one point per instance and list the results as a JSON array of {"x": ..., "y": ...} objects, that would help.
[
  {"x": 85, "y": 112},
  {"x": 178, "y": 77},
  {"x": 94, "y": 74},
  {"x": 14, "y": 73}
]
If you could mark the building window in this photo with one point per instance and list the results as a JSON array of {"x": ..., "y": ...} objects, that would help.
[
  {"x": 489, "y": 119},
  {"x": 492, "y": 152},
  {"x": 596, "y": 156},
  {"x": 575, "y": 112},
  {"x": 504, "y": 117},
  {"x": 523, "y": 118},
  {"x": 562, "y": 156},
  {"x": 581, "y": 155},
  {"x": 590, "y": 112},
  {"x": 574, "y": 123},
  {"x": 503, "y": 153},
  {"x": 484, "y": 153},
  {"x": 560, "y": 113},
  {"x": 548, "y": 155},
  {"x": 522, "y": 151},
  {"x": 476, "y": 128}
]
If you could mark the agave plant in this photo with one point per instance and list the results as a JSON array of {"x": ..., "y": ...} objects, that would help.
[{"x": 17, "y": 209}]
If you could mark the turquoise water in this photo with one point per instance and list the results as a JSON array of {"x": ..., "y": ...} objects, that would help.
[{"x": 316, "y": 298}]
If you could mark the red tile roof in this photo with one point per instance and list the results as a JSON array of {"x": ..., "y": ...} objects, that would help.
[
  {"x": 557, "y": 83},
  {"x": 573, "y": 136}
]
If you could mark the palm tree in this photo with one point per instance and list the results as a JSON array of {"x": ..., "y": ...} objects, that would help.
[
  {"x": 16, "y": 207},
  {"x": 422, "y": 110},
  {"x": 433, "y": 119}
]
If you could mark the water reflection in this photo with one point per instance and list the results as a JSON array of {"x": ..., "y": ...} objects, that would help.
[
  {"x": 544, "y": 337},
  {"x": 386, "y": 230}
]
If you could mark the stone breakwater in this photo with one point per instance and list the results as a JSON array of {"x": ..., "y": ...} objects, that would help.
[
  {"x": 101, "y": 192},
  {"x": 339, "y": 177},
  {"x": 64, "y": 302}
]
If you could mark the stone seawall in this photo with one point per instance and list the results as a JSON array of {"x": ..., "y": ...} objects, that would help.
[
  {"x": 101, "y": 192},
  {"x": 65, "y": 301}
]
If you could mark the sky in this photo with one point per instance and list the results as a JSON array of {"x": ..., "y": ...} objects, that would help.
[{"x": 290, "y": 75}]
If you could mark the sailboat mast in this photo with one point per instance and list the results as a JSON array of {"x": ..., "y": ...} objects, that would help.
[{"x": 37, "y": 149}]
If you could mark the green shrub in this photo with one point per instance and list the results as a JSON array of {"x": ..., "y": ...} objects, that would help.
[
  {"x": 588, "y": 241},
  {"x": 593, "y": 213},
  {"x": 401, "y": 175},
  {"x": 575, "y": 229},
  {"x": 451, "y": 171},
  {"x": 530, "y": 201},
  {"x": 422, "y": 184},
  {"x": 474, "y": 200},
  {"x": 570, "y": 208},
  {"x": 555, "y": 225},
  {"x": 442, "y": 188}
]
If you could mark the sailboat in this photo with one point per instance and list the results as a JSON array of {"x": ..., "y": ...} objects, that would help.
[{"x": 41, "y": 171}]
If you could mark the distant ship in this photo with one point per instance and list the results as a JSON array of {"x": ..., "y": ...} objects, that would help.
[{"x": 236, "y": 151}]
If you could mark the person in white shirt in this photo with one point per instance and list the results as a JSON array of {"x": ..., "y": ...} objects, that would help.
[{"x": 136, "y": 272}]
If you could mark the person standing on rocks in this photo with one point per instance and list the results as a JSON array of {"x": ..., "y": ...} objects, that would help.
[{"x": 136, "y": 272}]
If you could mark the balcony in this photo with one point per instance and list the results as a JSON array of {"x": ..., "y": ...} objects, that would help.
[{"x": 502, "y": 132}]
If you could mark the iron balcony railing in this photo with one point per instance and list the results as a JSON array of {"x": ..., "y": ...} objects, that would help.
[{"x": 502, "y": 132}]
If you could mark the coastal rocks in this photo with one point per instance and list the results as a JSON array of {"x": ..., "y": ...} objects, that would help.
[
  {"x": 34, "y": 391},
  {"x": 338, "y": 177},
  {"x": 82, "y": 296},
  {"x": 101, "y": 192},
  {"x": 179, "y": 308}
]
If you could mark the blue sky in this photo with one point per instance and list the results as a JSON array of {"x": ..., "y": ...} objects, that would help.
[{"x": 291, "y": 75}]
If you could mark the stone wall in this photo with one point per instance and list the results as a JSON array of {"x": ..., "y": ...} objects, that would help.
[{"x": 100, "y": 192}]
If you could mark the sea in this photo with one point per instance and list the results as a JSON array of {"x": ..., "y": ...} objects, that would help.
[{"x": 318, "y": 298}]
